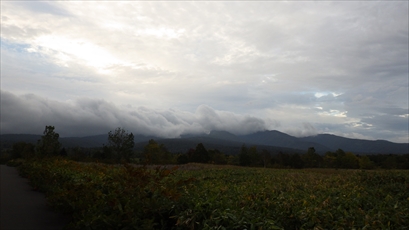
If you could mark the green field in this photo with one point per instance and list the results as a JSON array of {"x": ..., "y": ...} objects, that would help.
[{"x": 195, "y": 196}]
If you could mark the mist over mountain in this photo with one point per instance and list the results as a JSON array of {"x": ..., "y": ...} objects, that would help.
[{"x": 273, "y": 141}]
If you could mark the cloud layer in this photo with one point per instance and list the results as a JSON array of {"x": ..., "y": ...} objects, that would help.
[
  {"x": 174, "y": 67},
  {"x": 30, "y": 114}
]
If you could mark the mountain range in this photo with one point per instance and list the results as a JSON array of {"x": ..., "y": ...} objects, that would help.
[{"x": 273, "y": 141}]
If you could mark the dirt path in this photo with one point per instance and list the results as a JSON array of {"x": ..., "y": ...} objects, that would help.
[{"x": 21, "y": 207}]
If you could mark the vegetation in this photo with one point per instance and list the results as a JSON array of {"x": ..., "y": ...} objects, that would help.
[
  {"x": 49, "y": 145},
  {"x": 335, "y": 191},
  {"x": 120, "y": 145},
  {"x": 101, "y": 196},
  {"x": 120, "y": 149},
  {"x": 339, "y": 159},
  {"x": 154, "y": 153},
  {"x": 23, "y": 150}
]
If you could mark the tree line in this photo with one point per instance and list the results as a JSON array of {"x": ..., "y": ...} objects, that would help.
[{"x": 120, "y": 149}]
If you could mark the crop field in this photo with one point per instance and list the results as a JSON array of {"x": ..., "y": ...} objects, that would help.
[{"x": 100, "y": 196}]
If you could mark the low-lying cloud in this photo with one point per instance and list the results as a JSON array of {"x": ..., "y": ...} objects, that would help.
[{"x": 31, "y": 113}]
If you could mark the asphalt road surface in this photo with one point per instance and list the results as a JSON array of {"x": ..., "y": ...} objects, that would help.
[{"x": 22, "y": 208}]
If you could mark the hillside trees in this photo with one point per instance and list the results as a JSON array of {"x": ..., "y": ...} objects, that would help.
[
  {"x": 217, "y": 157},
  {"x": 200, "y": 155},
  {"x": 48, "y": 145},
  {"x": 350, "y": 161},
  {"x": 121, "y": 148},
  {"x": 120, "y": 144},
  {"x": 281, "y": 160},
  {"x": 296, "y": 161},
  {"x": 265, "y": 157},
  {"x": 255, "y": 157},
  {"x": 330, "y": 159},
  {"x": 182, "y": 159},
  {"x": 347, "y": 160},
  {"x": 23, "y": 149},
  {"x": 252, "y": 157},
  {"x": 366, "y": 163},
  {"x": 244, "y": 156},
  {"x": 155, "y": 153},
  {"x": 312, "y": 159},
  {"x": 390, "y": 161}
]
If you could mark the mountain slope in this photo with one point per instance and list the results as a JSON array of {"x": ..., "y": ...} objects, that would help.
[
  {"x": 7, "y": 140},
  {"x": 276, "y": 138},
  {"x": 357, "y": 145},
  {"x": 229, "y": 143},
  {"x": 224, "y": 135},
  {"x": 182, "y": 145}
]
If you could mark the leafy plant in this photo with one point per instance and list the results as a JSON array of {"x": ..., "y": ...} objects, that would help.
[{"x": 101, "y": 196}]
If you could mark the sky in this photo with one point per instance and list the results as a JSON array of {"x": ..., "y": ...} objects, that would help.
[{"x": 174, "y": 68}]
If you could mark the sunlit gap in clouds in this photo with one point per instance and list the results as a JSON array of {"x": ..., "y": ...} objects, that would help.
[
  {"x": 334, "y": 112},
  {"x": 66, "y": 50},
  {"x": 161, "y": 32},
  {"x": 322, "y": 94}
]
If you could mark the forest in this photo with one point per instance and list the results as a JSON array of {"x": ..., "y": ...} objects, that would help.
[{"x": 120, "y": 148}]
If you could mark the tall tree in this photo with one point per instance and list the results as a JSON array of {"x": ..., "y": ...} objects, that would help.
[
  {"x": 200, "y": 154},
  {"x": 217, "y": 157},
  {"x": 182, "y": 159},
  {"x": 155, "y": 153},
  {"x": 48, "y": 145},
  {"x": 366, "y": 163},
  {"x": 23, "y": 149},
  {"x": 296, "y": 161},
  {"x": 282, "y": 159},
  {"x": 255, "y": 157},
  {"x": 349, "y": 161},
  {"x": 121, "y": 143},
  {"x": 330, "y": 159},
  {"x": 244, "y": 156},
  {"x": 265, "y": 157},
  {"x": 312, "y": 159}
]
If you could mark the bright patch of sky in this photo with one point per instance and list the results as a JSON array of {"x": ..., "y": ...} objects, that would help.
[
  {"x": 321, "y": 94},
  {"x": 298, "y": 67}
]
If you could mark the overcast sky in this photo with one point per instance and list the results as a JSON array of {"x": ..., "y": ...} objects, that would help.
[{"x": 171, "y": 68}]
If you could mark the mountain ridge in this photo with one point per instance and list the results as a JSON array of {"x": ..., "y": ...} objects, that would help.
[{"x": 229, "y": 143}]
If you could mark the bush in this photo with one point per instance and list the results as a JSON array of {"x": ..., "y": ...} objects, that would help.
[
  {"x": 100, "y": 196},
  {"x": 14, "y": 162},
  {"x": 4, "y": 158}
]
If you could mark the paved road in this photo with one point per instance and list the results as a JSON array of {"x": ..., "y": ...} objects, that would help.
[{"x": 22, "y": 208}]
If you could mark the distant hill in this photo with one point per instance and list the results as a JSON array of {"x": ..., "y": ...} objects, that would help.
[
  {"x": 273, "y": 141},
  {"x": 276, "y": 138},
  {"x": 85, "y": 142},
  {"x": 7, "y": 140},
  {"x": 357, "y": 145},
  {"x": 231, "y": 146}
]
